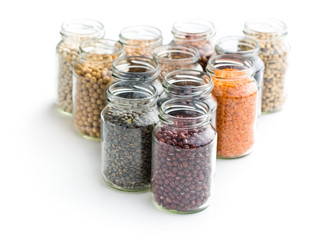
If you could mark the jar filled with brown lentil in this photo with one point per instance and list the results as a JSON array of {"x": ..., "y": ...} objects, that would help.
[
  {"x": 127, "y": 124},
  {"x": 183, "y": 157},
  {"x": 92, "y": 77},
  {"x": 197, "y": 33},
  {"x": 271, "y": 35},
  {"x": 247, "y": 47},
  {"x": 140, "y": 40},
  {"x": 73, "y": 33},
  {"x": 137, "y": 70},
  {"x": 176, "y": 56},
  {"x": 189, "y": 85},
  {"x": 236, "y": 92}
]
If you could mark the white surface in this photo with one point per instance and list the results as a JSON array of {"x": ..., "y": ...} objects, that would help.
[{"x": 50, "y": 179}]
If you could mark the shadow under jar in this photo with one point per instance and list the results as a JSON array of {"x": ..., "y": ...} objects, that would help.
[
  {"x": 140, "y": 40},
  {"x": 175, "y": 57},
  {"x": 137, "y": 70},
  {"x": 92, "y": 77},
  {"x": 127, "y": 124},
  {"x": 190, "y": 85},
  {"x": 73, "y": 33},
  {"x": 247, "y": 47},
  {"x": 236, "y": 92},
  {"x": 271, "y": 36},
  {"x": 197, "y": 33},
  {"x": 183, "y": 157}
]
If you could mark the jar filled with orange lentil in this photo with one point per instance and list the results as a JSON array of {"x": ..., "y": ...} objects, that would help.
[{"x": 236, "y": 92}]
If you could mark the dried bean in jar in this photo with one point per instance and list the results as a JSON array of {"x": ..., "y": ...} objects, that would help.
[{"x": 183, "y": 162}]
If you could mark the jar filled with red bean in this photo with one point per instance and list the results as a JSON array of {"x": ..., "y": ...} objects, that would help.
[
  {"x": 197, "y": 33},
  {"x": 183, "y": 157}
]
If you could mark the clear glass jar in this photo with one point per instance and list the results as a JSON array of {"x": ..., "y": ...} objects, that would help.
[
  {"x": 73, "y": 33},
  {"x": 92, "y": 77},
  {"x": 183, "y": 157},
  {"x": 175, "y": 57},
  {"x": 189, "y": 85},
  {"x": 197, "y": 33},
  {"x": 236, "y": 92},
  {"x": 127, "y": 124},
  {"x": 271, "y": 36},
  {"x": 140, "y": 40},
  {"x": 137, "y": 69}
]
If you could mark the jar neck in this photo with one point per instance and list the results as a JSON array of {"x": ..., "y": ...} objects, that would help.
[
  {"x": 231, "y": 68},
  {"x": 193, "y": 29},
  {"x": 77, "y": 30},
  {"x": 177, "y": 54},
  {"x": 141, "y": 36},
  {"x": 265, "y": 29},
  {"x": 188, "y": 84},
  {"x": 99, "y": 51},
  {"x": 127, "y": 96},
  {"x": 185, "y": 114},
  {"x": 135, "y": 69},
  {"x": 247, "y": 47}
]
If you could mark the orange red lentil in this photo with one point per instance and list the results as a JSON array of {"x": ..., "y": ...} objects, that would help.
[{"x": 236, "y": 95}]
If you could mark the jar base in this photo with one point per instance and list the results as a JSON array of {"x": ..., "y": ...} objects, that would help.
[
  {"x": 175, "y": 211},
  {"x": 274, "y": 111},
  {"x": 61, "y": 111},
  {"x": 232, "y": 158},
  {"x": 116, "y": 187}
]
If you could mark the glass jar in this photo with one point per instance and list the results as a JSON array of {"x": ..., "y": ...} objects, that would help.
[
  {"x": 127, "y": 124},
  {"x": 197, "y": 33},
  {"x": 189, "y": 85},
  {"x": 137, "y": 69},
  {"x": 183, "y": 157},
  {"x": 92, "y": 77},
  {"x": 73, "y": 33},
  {"x": 175, "y": 57},
  {"x": 140, "y": 40},
  {"x": 271, "y": 36},
  {"x": 236, "y": 92}
]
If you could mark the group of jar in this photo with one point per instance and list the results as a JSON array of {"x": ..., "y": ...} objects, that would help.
[{"x": 164, "y": 112}]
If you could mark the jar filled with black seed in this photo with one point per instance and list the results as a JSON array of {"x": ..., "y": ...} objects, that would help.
[
  {"x": 189, "y": 85},
  {"x": 183, "y": 157},
  {"x": 137, "y": 70},
  {"x": 127, "y": 124}
]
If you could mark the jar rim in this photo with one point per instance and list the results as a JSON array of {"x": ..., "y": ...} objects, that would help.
[
  {"x": 152, "y": 68},
  {"x": 96, "y": 46},
  {"x": 179, "y": 104},
  {"x": 234, "y": 61},
  {"x": 188, "y": 75},
  {"x": 163, "y": 54},
  {"x": 271, "y": 27},
  {"x": 140, "y": 33},
  {"x": 202, "y": 28},
  {"x": 118, "y": 88},
  {"x": 82, "y": 27},
  {"x": 232, "y": 44}
]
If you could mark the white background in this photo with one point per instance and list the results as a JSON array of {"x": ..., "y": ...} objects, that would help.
[{"x": 50, "y": 179}]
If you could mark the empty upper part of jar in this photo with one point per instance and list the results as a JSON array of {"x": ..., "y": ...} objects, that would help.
[
  {"x": 82, "y": 28},
  {"x": 100, "y": 50},
  {"x": 237, "y": 44},
  {"x": 192, "y": 83},
  {"x": 265, "y": 28},
  {"x": 132, "y": 96},
  {"x": 191, "y": 29},
  {"x": 134, "y": 35},
  {"x": 135, "y": 68},
  {"x": 178, "y": 54},
  {"x": 232, "y": 66}
]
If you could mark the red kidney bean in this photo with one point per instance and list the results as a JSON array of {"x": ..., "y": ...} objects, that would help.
[{"x": 182, "y": 181}]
